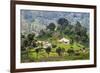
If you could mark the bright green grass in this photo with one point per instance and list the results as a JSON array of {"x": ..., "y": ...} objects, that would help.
[{"x": 42, "y": 56}]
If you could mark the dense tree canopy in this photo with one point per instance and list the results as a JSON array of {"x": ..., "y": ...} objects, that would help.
[
  {"x": 30, "y": 36},
  {"x": 51, "y": 26},
  {"x": 48, "y": 50},
  {"x": 63, "y": 22}
]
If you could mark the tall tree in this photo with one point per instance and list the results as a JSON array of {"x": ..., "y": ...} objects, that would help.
[
  {"x": 62, "y": 24},
  {"x": 48, "y": 50},
  {"x": 78, "y": 31},
  {"x": 37, "y": 51},
  {"x": 30, "y": 38},
  {"x": 51, "y": 26},
  {"x": 81, "y": 35},
  {"x": 59, "y": 51}
]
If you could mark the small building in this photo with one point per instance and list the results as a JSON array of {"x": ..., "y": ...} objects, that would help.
[
  {"x": 47, "y": 44},
  {"x": 64, "y": 40},
  {"x": 44, "y": 44}
]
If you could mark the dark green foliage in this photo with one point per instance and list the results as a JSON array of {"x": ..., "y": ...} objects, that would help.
[
  {"x": 25, "y": 43},
  {"x": 59, "y": 51},
  {"x": 70, "y": 51},
  {"x": 71, "y": 40},
  {"x": 51, "y": 26},
  {"x": 63, "y": 50},
  {"x": 22, "y": 36},
  {"x": 30, "y": 36},
  {"x": 34, "y": 43},
  {"x": 77, "y": 53},
  {"x": 48, "y": 50},
  {"x": 76, "y": 33},
  {"x": 45, "y": 34},
  {"x": 37, "y": 51},
  {"x": 63, "y": 22},
  {"x": 54, "y": 46},
  {"x": 23, "y": 48},
  {"x": 83, "y": 48},
  {"x": 69, "y": 30}
]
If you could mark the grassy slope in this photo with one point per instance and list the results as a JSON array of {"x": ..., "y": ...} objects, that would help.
[{"x": 53, "y": 56}]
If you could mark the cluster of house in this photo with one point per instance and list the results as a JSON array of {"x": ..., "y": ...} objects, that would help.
[
  {"x": 46, "y": 44},
  {"x": 64, "y": 40}
]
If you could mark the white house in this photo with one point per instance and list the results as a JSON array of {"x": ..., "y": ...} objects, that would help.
[
  {"x": 64, "y": 40},
  {"x": 45, "y": 44}
]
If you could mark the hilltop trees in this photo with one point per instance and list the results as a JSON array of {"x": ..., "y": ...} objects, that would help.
[
  {"x": 51, "y": 27},
  {"x": 81, "y": 35},
  {"x": 76, "y": 33},
  {"x": 63, "y": 22},
  {"x": 30, "y": 36}
]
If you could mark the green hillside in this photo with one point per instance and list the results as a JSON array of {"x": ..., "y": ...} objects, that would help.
[{"x": 56, "y": 43}]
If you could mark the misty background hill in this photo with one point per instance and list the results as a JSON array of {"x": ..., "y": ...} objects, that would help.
[{"x": 36, "y": 20}]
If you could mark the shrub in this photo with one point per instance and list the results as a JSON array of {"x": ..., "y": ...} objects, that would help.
[
  {"x": 48, "y": 50},
  {"x": 54, "y": 46},
  {"x": 70, "y": 51},
  {"x": 37, "y": 51},
  {"x": 59, "y": 51}
]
